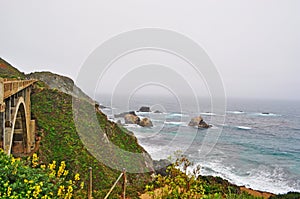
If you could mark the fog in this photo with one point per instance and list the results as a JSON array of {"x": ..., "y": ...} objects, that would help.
[{"x": 253, "y": 44}]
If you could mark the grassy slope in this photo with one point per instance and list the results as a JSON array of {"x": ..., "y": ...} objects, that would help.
[
  {"x": 8, "y": 71},
  {"x": 53, "y": 111}
]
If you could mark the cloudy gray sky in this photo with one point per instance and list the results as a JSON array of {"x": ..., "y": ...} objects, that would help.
[{"x": 254, "y": 44}]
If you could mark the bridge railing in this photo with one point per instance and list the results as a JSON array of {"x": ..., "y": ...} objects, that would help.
[{"x": 13, "y": 86}]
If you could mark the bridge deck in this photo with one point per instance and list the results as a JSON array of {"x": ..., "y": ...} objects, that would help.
[{"x": 13, "y": 86}]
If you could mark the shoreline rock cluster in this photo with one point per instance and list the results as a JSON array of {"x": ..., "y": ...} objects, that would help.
[
  {"x": 199, "y": 122},
  {"x": 131, "y": 118}
]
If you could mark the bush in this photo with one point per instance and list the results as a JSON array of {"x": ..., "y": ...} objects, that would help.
[
  {"x": 182, "y": 181},
  {"x": 29, "y": 179},
  {"x": 290, "y": 195}
]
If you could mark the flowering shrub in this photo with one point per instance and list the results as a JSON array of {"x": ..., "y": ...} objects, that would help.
[{"x": 29, "y": 179}]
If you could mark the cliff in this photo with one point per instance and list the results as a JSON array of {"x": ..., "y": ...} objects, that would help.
[{"x": 51, "y": 101}]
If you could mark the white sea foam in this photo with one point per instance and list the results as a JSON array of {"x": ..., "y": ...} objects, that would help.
[
  {"x": 142, "y": 113},
  {"x": 176, "y": 115},
  {"x": 261, "y": 178},
  {"x": 132, "y": 126},
  {"x": 236, "y": 112},
  {"x": 266, "y": 114},
  {"x": 244, "y": 127},
  {"x": 175, "y": 123},
  {"x": 208, "y": 113}
]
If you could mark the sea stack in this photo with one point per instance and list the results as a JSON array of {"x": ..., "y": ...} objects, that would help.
[{"x": 199, "y": 122}]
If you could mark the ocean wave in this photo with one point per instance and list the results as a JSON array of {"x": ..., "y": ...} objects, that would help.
[
  {"x": 175, "y": 123},
  {"x": 236, "y": 112},
  {"x": 208, "y": 113},
  {"x": 132, "y": 126},
  {"x": 171, "y": 115},
  {"x": 142, "y": 113},
  {"x": 214, "y": 127},
  {"x": 266, "y": 114},
  {"x": 263, "y": 178},
  {"x": 244, "y": 127}
]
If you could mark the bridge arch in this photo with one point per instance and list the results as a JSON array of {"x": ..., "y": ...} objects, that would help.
[{"x": 20, "y": 129}]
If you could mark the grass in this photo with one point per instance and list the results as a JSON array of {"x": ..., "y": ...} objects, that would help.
[{"x": 60, "y": 141}]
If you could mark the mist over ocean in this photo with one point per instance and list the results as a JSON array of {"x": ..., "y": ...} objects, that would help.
[{"x": 259, "y": 145}]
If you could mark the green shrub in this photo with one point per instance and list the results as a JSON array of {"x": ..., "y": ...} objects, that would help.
[
  {"x": 29, "y": 179},
  {"x": 183, "y": 183}
]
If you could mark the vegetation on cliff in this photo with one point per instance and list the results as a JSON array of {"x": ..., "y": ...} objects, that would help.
[
  {"x": 58, "y": 140},
  {"x": 61, "y": 142},
  {"x": 29, "y": 179},
  {"x": 8, "y": 71}
]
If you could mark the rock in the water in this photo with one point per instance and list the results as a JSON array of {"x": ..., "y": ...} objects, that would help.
[
  {"x": 144, "y": 109},
  {"x": 203, "y": 124},
  {"x": 102, "y": 107},
  {"x": 146, "y": 122},
  {"x": 157, "y": 111},
  {"x": 160, "y": 166},
  {"x": 265, "y": 113},
  {"x": 195, "y": 121},
  {"x": 131, "y": 119},
  {"x": 125, "y": 113},
  {"x": 199, "y": 122},
  {"x": 119, "y": 122}
]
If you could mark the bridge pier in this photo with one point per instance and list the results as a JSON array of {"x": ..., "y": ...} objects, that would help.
[{"x": 17, "y": 130}]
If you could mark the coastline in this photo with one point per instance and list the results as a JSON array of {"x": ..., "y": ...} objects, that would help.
[{"x": 256, "y": 193}]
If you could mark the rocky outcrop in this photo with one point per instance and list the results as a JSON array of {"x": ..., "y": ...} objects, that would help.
[
  {"x": 125, "y": 113},
  {"x": 199, "y": 122},
  {"x": 61, "y": 83},
  {"x": 195, "y": 121},
  {"x": 203, "y": 124},
  {"x": 145, "y": 122},
  {"x": 157, "y": 111},
  {"x": 160, "y": 166},
  {"x": 131, "y": 119},
  {"x": 144, "y": 109}
]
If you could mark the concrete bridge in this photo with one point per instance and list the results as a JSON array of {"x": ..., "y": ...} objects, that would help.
[{"x": 17, "y": 130}]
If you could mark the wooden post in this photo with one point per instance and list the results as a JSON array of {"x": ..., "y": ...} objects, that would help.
[
  {"x": 124, "y": 183},
  {"x": 90, "y": 187}
]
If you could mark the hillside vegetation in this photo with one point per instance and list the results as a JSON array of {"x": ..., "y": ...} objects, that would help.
[
  {"x": 68, "y": 135},
  {"x": 52, "y": 110},
  {"x": 8, "y": 71}
]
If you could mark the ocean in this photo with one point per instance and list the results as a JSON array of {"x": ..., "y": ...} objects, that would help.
[{"x": 258, "y": 145}]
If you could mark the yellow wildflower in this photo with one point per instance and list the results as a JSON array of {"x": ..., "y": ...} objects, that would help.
[
  {"x": 12, "y": 160},
  {"x": 77, "y": 177},
  {"x": 34, "y": 160},
  {"x": 37, "y": 190},
  {"x": 43, "y": 166},
  {"x": 60, "y": 190},
  {"x": 81, "y": 185},
  {"x": 9, "y": 191},
  {"x": 66, "y": 172},
  {"x": 61, "y": 169}
]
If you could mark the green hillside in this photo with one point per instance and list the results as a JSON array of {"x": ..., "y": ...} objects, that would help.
[
  {"x": 59, "y": 139},
  {"x": 8, "y": 71}
]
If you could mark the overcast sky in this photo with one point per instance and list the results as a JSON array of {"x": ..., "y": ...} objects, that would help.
[{"x": 254, "y": 44}]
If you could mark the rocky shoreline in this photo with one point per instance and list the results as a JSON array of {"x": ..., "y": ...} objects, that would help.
[{"x": 160, "y": 167}]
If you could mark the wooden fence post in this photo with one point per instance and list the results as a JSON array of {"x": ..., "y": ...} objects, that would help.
[
  {"x": 90, "y": 187},
  {"x": 124, "y": 183}
]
